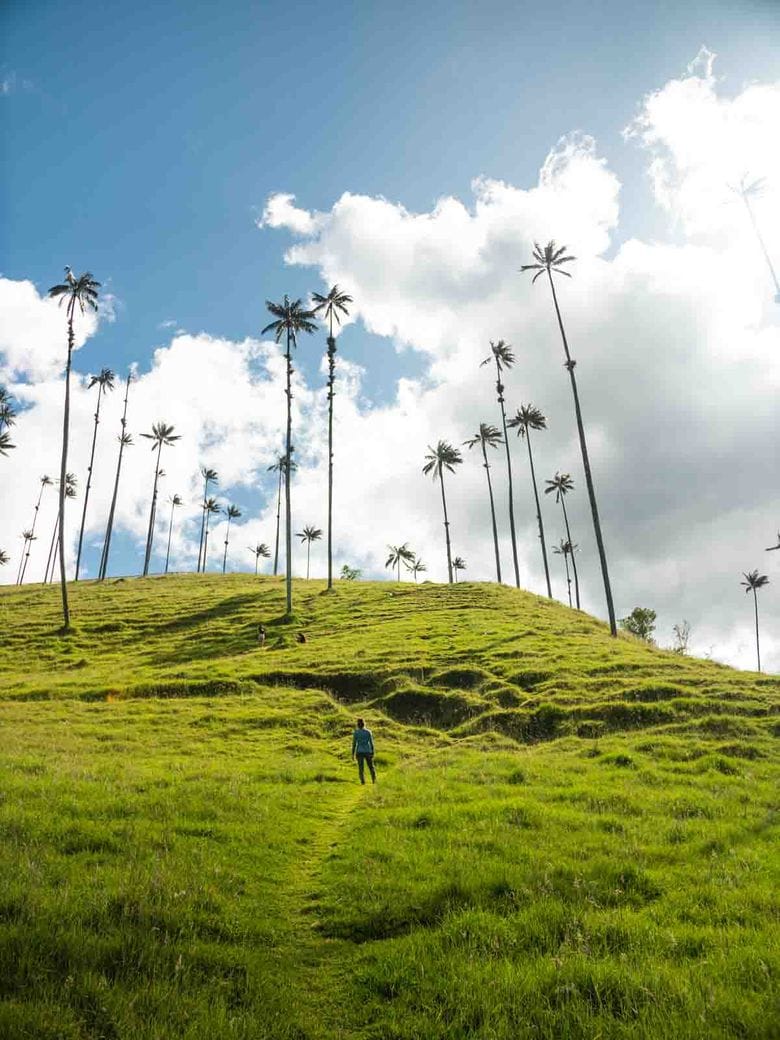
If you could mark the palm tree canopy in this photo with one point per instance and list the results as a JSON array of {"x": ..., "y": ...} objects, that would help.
[
  {"x": 331, "y": 304},
  {"x": 561, "y": 484},
  {"x": 233, "y": 512},
  {"x": 175, "y": 500},
  {"x": 281, "y": 464},
  {"x": 260, "y": 550},
  {"x": 565, "y": 548},
  {"x": 209, "y": 475},
  {"x": 309, "y": 534},
  {"x": 105, "y": 379},
  {"x": 7, "y": 410},
  {"x": 290, "y": 318},
  {"x": 6, "y": 444},
  {"x": 416, "y": 566},
  {"x": 459, "y": 564},
  {"x": 4, "y": 558},
  {"x": 754, "y": 580},
  {"x": 443, "y": 456},
  {"x": 500, "y": 355},
  {"x": 548, "y": 259},
  {"x": 81, "y": 290},
  {"x": 527, "y": 417},
  {"x": 162, "y": 434},
  {"x": 212, "y": 506},
  {"x": 46, "y": 480},
  {"x": 399, "y": 553},
  {"x": 487, "y": 436}
]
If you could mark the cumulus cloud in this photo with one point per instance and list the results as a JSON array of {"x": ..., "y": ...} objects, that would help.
[{"x": 677, "y": 345}]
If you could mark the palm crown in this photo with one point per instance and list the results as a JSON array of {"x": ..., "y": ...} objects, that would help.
[
  {"x": 459, "y": 564},
  {"x": 548, "y": 259},
  {"x": 233, "y": 512},
  {"x": 212, "y": 506},
  {"x": 443, "y": 456},
  {"x": 105, "y": 379},
  {"x": 261, "y": 549},
  {"x": 331, "y": 304},
  {"x": 399, "y": 554},
  {"x": 162, "y": 434},
  {"x": 81, "y": 290},
  {"x": 175, "y": 500},
  {"x": 561, "y": 484},
  {"x": 487, "y": 436},
  {"x": 500, "y": 354},
  {"x": 291, "y": 318},
  {"x": 309, "y": 534},
  {"x": 7, "y": 410},
  {"x": 754, "y": 580},
  {"x": 209, "y": 475},
  {"x": 528, "y": 417}
]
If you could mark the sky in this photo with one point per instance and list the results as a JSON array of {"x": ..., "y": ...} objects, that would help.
[{"x": 200, "y": 160}]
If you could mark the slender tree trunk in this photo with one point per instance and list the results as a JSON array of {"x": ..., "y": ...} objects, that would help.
[
  {"x": 568, "y": 576},
  {"x": 206, "y": 542},
  {"x": 586, "y": 465},
  {"x": 21, "y": 563},
  {"x": 278, "y": 521},
  {"x": 170, "y": 532},
  {"x": 51, "y": 558},
  {"x": 446, "y": 526},
  {"x": 227, "y": 539},
  {"x": 331, "y": 391},
  {"x": 152, "y": 512},
  {"x": 89, "y": 480},
  {"x": 257, "y": 563},
  {"x": 288, "y": 467},
  {"x": 571, "y": 543},
  {"x": 538, "y": 512},
  {"x": 308, "y": 558},
  {"x": 64, "y": 470},
  {"x": 500, "y": 394},
  {"x": 399, "y": 570},
  {"x": 758, "y": 648},
  {"x": 112, "y": 510},
  {"x": 28, "y": 546},
  {"x": 203, "y": 525},
  {"x": 492, "y": 513},
  {"x": 764, "y": 249}
]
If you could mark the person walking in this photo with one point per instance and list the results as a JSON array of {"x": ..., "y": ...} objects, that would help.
[{"x": 363, "y": 750}]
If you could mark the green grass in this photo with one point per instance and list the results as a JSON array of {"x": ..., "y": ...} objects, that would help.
[{"x": 571, "y": 837}]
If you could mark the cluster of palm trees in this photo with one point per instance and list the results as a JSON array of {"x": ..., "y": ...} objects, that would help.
[{"x": 403, "y": 555}]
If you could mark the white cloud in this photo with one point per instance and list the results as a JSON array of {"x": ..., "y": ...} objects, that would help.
[{"x": 279, "y": 212}]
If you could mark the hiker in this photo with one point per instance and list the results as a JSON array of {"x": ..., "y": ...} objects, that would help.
[
  {"x": 261, "y": 635},
  {"x": 300, "y": 638},
  {"x": 363, "y": 749}
]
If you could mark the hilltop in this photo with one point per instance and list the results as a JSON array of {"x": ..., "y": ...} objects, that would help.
[{"x": 570, "y": 836}]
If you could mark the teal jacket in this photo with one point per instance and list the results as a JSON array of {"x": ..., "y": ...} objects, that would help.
[{"x": 362, "y": 742}]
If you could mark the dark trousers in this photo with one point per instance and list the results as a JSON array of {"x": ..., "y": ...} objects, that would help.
[{"x": 365, "y": 758}]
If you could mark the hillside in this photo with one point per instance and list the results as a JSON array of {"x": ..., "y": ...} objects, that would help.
[{"x": 571, "y": 835}]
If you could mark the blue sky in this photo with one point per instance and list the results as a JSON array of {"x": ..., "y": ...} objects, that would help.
[
  {"x": 145, "y": 144},
  {"x": 151, "y": 134}
]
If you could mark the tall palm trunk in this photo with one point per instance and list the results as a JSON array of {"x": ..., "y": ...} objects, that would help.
[
  {"x": 170, "y": 532},
  {"x": 586, "y": 465},
  {"x": 568, "y": 576},
  {"x": 64, "y": 469},
  {"x": 21, "y": 562},
  {"x": 308, "y": 558},
  {"x": 764, "y": 250},
  {"x": 257, "y": 563},
  {"x": 201, "y": 561},
  {"x": 573, "y": 561},
  {"x": 112, "y": 510},
  {"x": 89, "y": 480},
  {"x": 539, "y": 513},
  {"x": 29, "y": 541},
  {"x": 206, "y": 542},
  {"x": 51, "y": 558},
  {"x": 492, "y": 513},
  {"x": 278, "y": 520},
  {"x": 152, "y": 513},
  {"x": 500, "y": 394},
  {"x": 446, "y": 527},
  {"x": 227, "y": 539},
  {"x": 331, "y": 391},
  {"x": 758, "y": 648},
  {"x": 288, "y": 467}
]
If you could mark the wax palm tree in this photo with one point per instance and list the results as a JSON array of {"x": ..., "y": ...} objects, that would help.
[
  {"x": 210, "y": 476},
  {"x": 7, "y": 419},
  {"x": 81, "y": 291},
  {"x": 4, "y": 558},
  {"x": 747, "y": 190},
  {"x": 753, "y": 582},
  {"x": 442, "y": 457},
  {"x": 280, "y": 467},
  {"x": 233, "y": 513},
  {"x": 125, "y": 439},
  {"x": 415, "y": 568},
  {"x": 562, "y": 484},
  {"x": 261, "y": 549},
  {"x": 291, "y": 319},
  {"x": 501, "y": 355},
  {"x": 45, "y": 482},
  {"x": 71, "y": 485},
  {"x": 528, "y": 417},
  {"x": 334, "y": 302},
  {"x": 104, "y": 382},
  {"x": 212, "y": 508},
  {"x": 309, "y": 534},
  {"x": 489, "y": 437},
  {"x": 28, "y": 537},
  {"x": 399, "y": 554},
  {"x": 566, "y": 549},
  {"x": 162, "y": 435},
  {"x": 550, "y": 260},
  {"x": 458, "y": 564},
  {"x": 175, "y": 501}
]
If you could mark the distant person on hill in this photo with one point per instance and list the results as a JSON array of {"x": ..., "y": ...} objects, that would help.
[
  {"x": 261, "y": 635},
  {"x": 363, "y": 749}
]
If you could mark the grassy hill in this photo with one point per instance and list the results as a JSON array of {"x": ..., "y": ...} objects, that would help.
[{"x": 572, "y": 836}]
